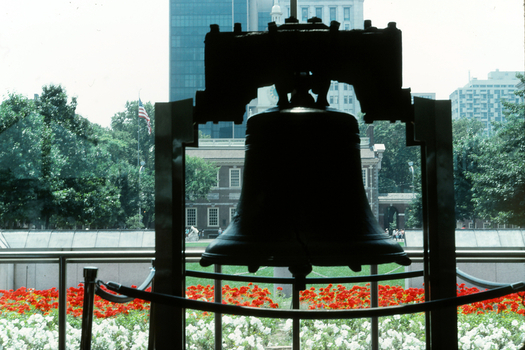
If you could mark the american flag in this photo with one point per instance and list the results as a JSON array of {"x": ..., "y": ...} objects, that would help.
[{"x": 144, "y": 114}]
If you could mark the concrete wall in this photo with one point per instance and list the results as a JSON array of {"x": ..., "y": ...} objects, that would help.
[
  {"x": 479, "y": 239},
  {"x": 45, "y": 275}
]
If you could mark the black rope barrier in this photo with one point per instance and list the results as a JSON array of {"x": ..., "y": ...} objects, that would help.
[{"x": 315, "y": 314}]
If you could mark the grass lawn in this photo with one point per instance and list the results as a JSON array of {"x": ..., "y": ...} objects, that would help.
[{"x": 318, "y": 272}]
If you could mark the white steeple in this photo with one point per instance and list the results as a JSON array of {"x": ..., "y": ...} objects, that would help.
[{"x": 276, "y": 12}]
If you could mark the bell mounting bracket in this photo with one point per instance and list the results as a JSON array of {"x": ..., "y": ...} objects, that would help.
[{"x": 307, "y": 55}]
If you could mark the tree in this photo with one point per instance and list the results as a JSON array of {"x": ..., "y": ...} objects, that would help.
[
  {"x": 73, "y": 190},
  {"x": 127, "y": 125},
  {"x": 499, "y": 186},
  {"x": 200, "y": 177},
  {"x": 467, "y": 135},
  {"x": 414, "y": 212},
  {"x": 53, "y": 172},
  {"x": 130, "y": 145},
  {"x": 395, "y": 175},
  {"x": 20, "y": 159}
]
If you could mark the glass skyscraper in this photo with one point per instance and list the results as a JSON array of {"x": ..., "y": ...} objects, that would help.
[{"x": 190, "y": 21}]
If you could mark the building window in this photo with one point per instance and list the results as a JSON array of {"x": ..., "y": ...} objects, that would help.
[
  {"x": 233, "y": 210},
  {"x": 217, "y": 185},
  {"x": 333, "y": 13},
  {"x": 213, "y": 216},
  {"x": 191, "y": 216},
  {"x": 304, "y": 12},
  {"x": 319, "y": 12},
  {"x": 235, "y": 177},
  {"x": 346, "y": 12},
  {"x": 365, "y": 177}
]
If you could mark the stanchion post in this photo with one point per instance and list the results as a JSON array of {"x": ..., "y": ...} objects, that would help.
[
  {"x": 90, "y": 275},
  {"x": 62, "y": 302}
]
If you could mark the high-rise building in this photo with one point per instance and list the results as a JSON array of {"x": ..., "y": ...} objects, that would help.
[
  {"x": 482, "y": 99},
  {"x": 349, "y": 13},
  {"x": 190, "y": 22}
]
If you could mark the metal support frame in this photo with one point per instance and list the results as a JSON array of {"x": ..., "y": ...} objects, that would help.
[
  {"x": 433, "y": 130},
  {"x": 174, "y": 130},
  {"x": 218, "y": 316}
]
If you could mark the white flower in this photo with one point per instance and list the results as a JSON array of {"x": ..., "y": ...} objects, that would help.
[
  {"x": 251, "y": 340},
  {"x": 338, "y": 341},
  {"x": 465, "y": 340},
  {"x": 386, "y": 343},
  {"x": 288, "y": 325}
]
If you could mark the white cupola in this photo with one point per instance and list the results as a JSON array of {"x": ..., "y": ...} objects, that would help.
[{"x": 276, "y": 12}]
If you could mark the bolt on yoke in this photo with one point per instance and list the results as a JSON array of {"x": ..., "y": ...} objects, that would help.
[{"x": 297, "y": 58}]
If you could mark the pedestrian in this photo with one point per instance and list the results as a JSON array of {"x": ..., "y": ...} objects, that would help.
[{"x": 220, "y": 231}]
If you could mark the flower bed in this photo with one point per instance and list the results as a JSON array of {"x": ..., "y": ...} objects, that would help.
[{"x": 29, "y": 320}]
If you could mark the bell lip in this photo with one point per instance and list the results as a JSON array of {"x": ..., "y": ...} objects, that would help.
[
  {"x": 208, "y": 259},
  {"x": 230, "y": 249}
]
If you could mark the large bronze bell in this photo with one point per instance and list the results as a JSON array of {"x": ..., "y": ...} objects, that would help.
[{"x": 303, "y": 202}]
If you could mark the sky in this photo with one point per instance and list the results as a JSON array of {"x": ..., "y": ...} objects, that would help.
[{"x": 107, "y": 52}]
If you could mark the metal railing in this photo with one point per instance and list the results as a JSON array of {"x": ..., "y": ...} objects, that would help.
[
  {"x": 93, "y": 256},
  {"x": 62, "y": 258}
]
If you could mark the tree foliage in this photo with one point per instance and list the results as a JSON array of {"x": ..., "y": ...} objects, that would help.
[
  {"x": 489, "y": 176},
  {"x": 499, "y": 185},
  {"x": 200, "y": 177},
  {"x": 467, "y": 137},
  {"x": 395, "y": 174},
  {"x": 58, "y": 170}
]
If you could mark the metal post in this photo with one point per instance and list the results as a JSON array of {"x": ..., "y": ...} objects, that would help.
[
  {"x": 296, "y": 323},
  {"x": 218, "y": 316},
  {"x": 90, "y": 275},
  {"x": 174, "y": 130},
  {"x": 293, "y": 8},
  {"x": 433, "y": 126},
  {"x": 62, "y": 303},
  {"x": 374, "y": 301},
  {"x": 151, "y": 333}
]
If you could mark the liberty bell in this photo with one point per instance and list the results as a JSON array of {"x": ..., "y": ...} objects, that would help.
[{"x": 303, "y": 201}]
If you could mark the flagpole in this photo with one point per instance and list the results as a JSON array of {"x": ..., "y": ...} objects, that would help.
[
  {"x": 141, "y": 114},
  {"x": 138, "y": 150},
  {"x": 138, "y": 132}
]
